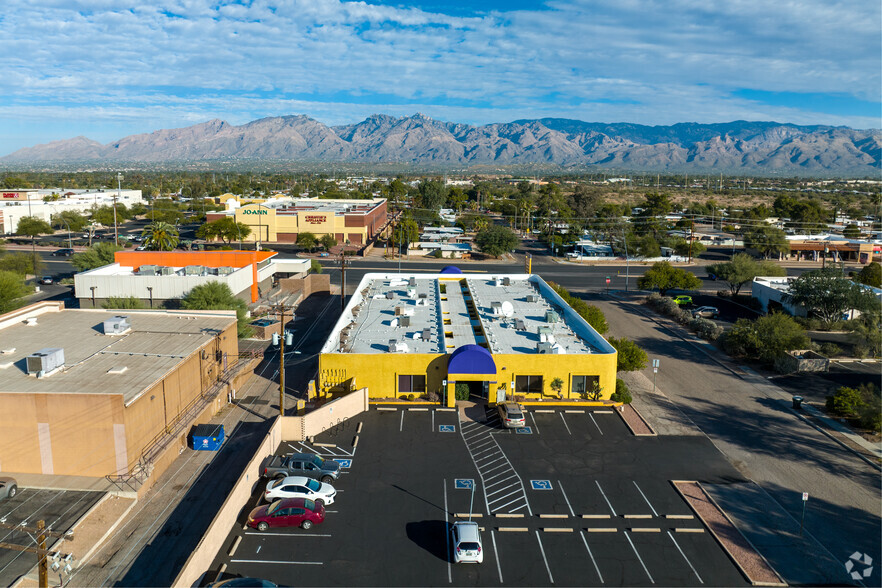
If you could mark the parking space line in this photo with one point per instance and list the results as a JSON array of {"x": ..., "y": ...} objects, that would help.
[
  {"x": 686, "y": 558},
  {"x": 545, "y": 559},
  {"x": 603, "y": 412},
  {"x": 595, "y": 423},
  {"x": 511, "y": 502},
  {"x": 401, "y": 426},
  {"x": 490, "y": 457},
  {"x": 645, "y": 498},
  {"x": 447, "y": 533},
  {"x": 535, "y": 426},
  {"x": 612, "y": 510},
  {"x": 496, "y": 555},
  {"x": 419, "y": 409},
  {"x": 565, "y": 423},
  {"x": 267, "y": 561},
  {"x": 433, "y": 421},
  {"x": 515, "y": 491},
  {"x": 491, "y": 448},
  {"x": 591, "y": 555},
  {"x": 510, "y": 476},
  {"x": 628, "y": 537},
  {"x": 570, "y": 411},
  {"x": 569, "y": 506}
]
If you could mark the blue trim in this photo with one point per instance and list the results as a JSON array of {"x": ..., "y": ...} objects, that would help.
[{"x": 471, "y": 359}]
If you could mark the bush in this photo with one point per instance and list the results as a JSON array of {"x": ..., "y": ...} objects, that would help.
[
  {"x": 461, "y": 391},
  {"x": 592, "y": 315},
  {"x": 622, "y": 393},
  {"x": 766, "y": 339},
  {"x": 411, "y": 397},
  {"x": 630, "y": 356},
  {"x": 315, "y": 267},
  {"x": 122, "y": 302},
  {"x": 830, "y": 349},
  {"x": 861, "y": 404},
  {"x": 433, "y": 397},
  {"x": 706, "y": 329},
  {"x": 437, "y": 254}
]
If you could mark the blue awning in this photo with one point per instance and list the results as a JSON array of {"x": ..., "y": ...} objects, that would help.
[
  {"x": 471, "y": 359},
  {"x": 450, "y": 269}
]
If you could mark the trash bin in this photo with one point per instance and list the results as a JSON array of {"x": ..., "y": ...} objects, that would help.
[{"x": 797, "y": 402}]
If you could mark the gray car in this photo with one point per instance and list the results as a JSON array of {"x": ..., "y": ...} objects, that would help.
[{"x": 8, "y": 487}]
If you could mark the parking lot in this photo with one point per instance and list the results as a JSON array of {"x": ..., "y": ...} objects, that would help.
[
  {"x": 60, "y": 509},
  {"x": 573, "y": 499}
]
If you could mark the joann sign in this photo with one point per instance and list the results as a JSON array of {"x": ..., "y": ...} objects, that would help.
[{"x": 257, "y": 211}]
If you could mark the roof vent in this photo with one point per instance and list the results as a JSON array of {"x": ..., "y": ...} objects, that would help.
[
  {"x": 118, "y": 369},
  {"x": 194, "y": 270},
  {"x": 117, "y": 325},
  {"x": 148, "y": 270},
  {"x": 396, "y": 346},
  {"x": 427, "y": 334},
  {"x": 45, "y": 360},
  {"x": 411, "y": 282},
  {"x": 31, "y": 321},
  {"x": 224, "y": 270},
  {"x": 166, "y": 271},
  {"x": 551, "y": 317},
  {"x": 390, "y": 295},
  {"x": 404, "y": 321},
  {"x": 532, "y": 298}
]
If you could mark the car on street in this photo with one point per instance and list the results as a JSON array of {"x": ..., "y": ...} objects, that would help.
[
  {"x": 683, "y": 299},
  {"x": 66, "y": 252},
  {"x": 301, "y": 464},
  {"x": 47, "y": 280},
  {"x": 8, "y": 487},
  {"x": 287, "y": 512},
  {"x": 512, "y": 415},
  {"x": 300, "y": 487},
  {"x": 706, "y": 312},
  {"x": 467, "y": 547}
]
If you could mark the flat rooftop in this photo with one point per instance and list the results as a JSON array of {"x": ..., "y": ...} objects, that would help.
[
  {"x": 95, "y": 363},
  {"x": 338, "y": 207},
  {"x": 438, "y": 313}
]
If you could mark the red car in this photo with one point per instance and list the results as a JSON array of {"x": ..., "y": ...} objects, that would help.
[{"x": 287, "y": 512}]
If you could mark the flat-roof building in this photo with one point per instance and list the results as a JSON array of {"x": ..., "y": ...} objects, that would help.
[
  {"x": 103, "y": 393},
  {"x": 43, "y": 203},
  {"x": 504, "y": 336}
]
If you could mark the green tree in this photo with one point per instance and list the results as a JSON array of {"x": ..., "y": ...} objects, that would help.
[
  {"x": 307, "y": 240},
  {"x": 630, "y": 356},
  {"x": 647, "y": 246},
  {"x": 226, "y": 229},
  {"x": 33, "y": 227},
  {"x": 104, "y": 214},
  {"x": 315, "y": 267},
  {"x": 592, "y": 315},
  {"x": 683, "y": 248},
  {"x": 22, "y": 264},
  {"x": 766, "y": 338},
  {"x": 828, "y": 294},
  {"x": 871, "y": 275},
  {"x": 432, "y": 194},
  {"x": 122, "y": 302},
  {"x": 99, "y": 255},
  {"x": 328, "y": 242},
  {"x": 160, "y": 236},
  {"x": 741, "y": 269},
  {"x": 851, "y": 232},
  {"x": 12, "y": 289},
  {"x": 664, "y": 276},
  {"x": 69, "y": 220},
  {"x": 218, "y": 296},
  {"x": 496, "y": 240},
  {"x": 768, "y": 240},
  {"x": 557, "y": 386}
]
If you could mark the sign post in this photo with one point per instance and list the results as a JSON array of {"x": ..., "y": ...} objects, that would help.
[
  {"x": 655, "y": 364},
  {"x": 607, "y": 285},
  {"x": 802, "y": 522}
]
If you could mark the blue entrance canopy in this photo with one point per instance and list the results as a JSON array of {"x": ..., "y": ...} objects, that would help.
[
  {"x": 450, "y": 269},
  {"x": 471, "y": 359}
]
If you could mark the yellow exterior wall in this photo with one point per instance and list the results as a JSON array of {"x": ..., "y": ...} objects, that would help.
[{"x": 265, "y": 222}]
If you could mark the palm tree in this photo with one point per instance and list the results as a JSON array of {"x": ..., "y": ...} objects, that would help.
[{"x": 160, "y": 236}]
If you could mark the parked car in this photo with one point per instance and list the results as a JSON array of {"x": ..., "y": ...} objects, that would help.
[
  {"x": 66, "y": 252},
  {"x": 301, "y": 464},
  {"x": 683, "y": 299},
  {"x": 300, "y": 487},
  {"x": 47, "y": 280},
  {"x": 8, "y": 487},
  {"x": 512, "y": 415},
  {"x": 706, "y": 312},
  {"x": 244, "y": 583},
  {"x": 287, "y": 512},
  {"x": 467, "y": 546}
]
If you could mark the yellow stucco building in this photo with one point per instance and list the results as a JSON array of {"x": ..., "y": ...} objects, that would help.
[{"x": 505, "y": 337}]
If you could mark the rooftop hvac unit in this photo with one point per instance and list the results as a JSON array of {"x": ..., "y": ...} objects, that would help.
[
  {"x": 396, "y": 346},
  {"x": 424, "y": 296},
  {"x": 519, "y": 325},
  {"x": 543, "y": 348},
  {"x": 148, "y": 270},
  {"x": 551, "y": 317},
  {"x": 506, "y": 281},
  {"x": 390, "y": 295},
  {"x": 45, "y": 360},
  {"x": 496, "y": 308},
  {"x": 427, "y": 334},
  {"x": 411, "y": 293},
  {"x": 117, "y": 325},
  {"x": 224, "y": 270},
  {"x": 166, "y": 271},
  {"x": 546, "y": 338},
  {"x": 404, "y": 321},
  {"x": 411, "y": 282},
  {"x": 194, "y": 270},
  {"x": 532, "y": 298}
]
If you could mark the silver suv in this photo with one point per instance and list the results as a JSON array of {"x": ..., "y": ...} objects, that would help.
[
  {"x": 512, "y": 415},
  {"x": 467, "y": 547}
]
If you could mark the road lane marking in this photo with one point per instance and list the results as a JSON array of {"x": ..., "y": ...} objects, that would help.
[
  {"x": 591, "y": 555},
  {"x": 645, "y": 498},
  {"x": 686, "y": 558},
  {"x": 267, "y": 561},
  {"x": 565, "y": 423},
  {"x": 612, "y": 510},
  {"x": 628, "y": 537},
  {"x": 542, "y": 549}
]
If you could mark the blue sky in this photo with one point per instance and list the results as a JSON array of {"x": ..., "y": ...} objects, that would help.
[{"x": 109, "y": 68}]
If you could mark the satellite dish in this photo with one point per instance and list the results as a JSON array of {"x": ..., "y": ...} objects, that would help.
[{"x": 507, "y": 309}]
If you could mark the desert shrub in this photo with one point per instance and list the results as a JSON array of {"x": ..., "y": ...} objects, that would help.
[
  {"x": 461, "y": 391},
  {"x": 433, "y": 397},
  {"x": 829, "y": 349},
  {"x": 706, "y": 329},
  {"x": 766, "y": 338},
  {"x": 622, "y": 393},
  {"x": 411, "y": 397},
  {"x": 861, "y": 404}
]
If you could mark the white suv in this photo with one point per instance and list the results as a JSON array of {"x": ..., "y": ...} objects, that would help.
[{"x": 467, "y": 546}]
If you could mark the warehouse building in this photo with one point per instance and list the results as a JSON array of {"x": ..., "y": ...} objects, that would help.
[
  {"x": 43, "y": 203},
  {"x": 280, "y": 221},
  {"x": 93, "y": 393},
  {"x": 158, "y": 276},
  {"x": 502, "y": 336}
]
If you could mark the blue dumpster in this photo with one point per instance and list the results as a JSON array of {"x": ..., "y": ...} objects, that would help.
[{"x": 207, "y": 437}]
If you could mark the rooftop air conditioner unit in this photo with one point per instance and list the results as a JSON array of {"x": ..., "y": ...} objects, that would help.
[
  {"x": 396, "y": 346},
  {"x": 117, "y": 325},
  {"x": 404, "y": 321},
  {"x": 148, "y": 270},
  {"x": 390, "y": 295},
  {"x": 496, "y": 308},
  {"x": 551, "y": 317},
  {"x": 519, "y": 325},
  {"x": 194, "y": 270},
  {"x": 411, "y": 282},
  {"x": 224, "y": 271},
  {"x": 543, "y": 348},
  {"x": 166, "y": 271},
  {"x": 506, "y": 281},
  {"x": 45, "y": 360},
  {"x": 532, "y": 298},
  {"x": 427, "y": 334}
]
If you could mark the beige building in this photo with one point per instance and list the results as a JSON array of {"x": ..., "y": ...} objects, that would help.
[{"x": 85, "y": 393}]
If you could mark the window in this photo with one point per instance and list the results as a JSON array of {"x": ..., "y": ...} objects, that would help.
[
  {"x": 583, "y": 384},
  {"x": 528, "y": 385},
  {"x": 411, "y": 384}
]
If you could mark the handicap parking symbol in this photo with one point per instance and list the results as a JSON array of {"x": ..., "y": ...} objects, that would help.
[
  {"x": 344, "y": 463},
  {"x": 540, "y": 484},
  {"x": 447, "y": 428},
  {"x": 463, "y": 483},
  {"x": 524, "y": 431}
]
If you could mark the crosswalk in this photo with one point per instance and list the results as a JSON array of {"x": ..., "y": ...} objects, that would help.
[{"x": 502, "y": 486}]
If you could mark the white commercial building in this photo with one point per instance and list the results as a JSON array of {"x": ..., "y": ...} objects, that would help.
[{"x": 43, "y": 203}]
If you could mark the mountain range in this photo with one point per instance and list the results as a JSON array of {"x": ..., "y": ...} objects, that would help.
[{"x": 739, "y": 146}]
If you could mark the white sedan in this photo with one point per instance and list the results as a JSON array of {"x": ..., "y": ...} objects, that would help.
[{"x": 300, "y": 487}]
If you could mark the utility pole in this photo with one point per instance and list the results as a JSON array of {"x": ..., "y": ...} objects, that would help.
[
  {"x": 343, "y": 279},
  {"x": 119, "y": 178},
  {"x": 43, "y": 554},
  {"x": 280, "y": 309},
  {"x": 627, "y": 262},
  {"x": 691, "y": 238}
]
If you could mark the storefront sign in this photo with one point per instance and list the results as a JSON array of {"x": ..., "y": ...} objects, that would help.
[
  {"x": 11, "y": 195},
  {"x": 314, "y": 220},
  {"x": 256, "y": 211}
]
